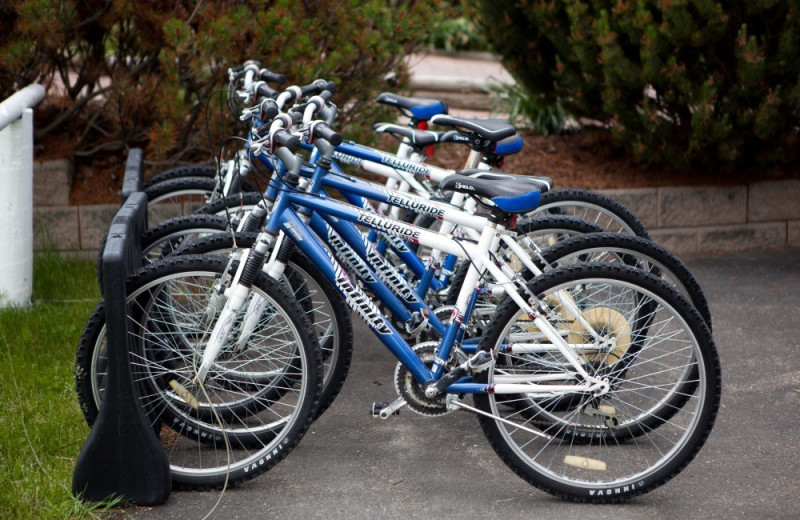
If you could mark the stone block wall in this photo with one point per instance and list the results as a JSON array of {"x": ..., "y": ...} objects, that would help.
[
  {"x": 709, "y": 220},
  {"x": 690, "y": 221}
]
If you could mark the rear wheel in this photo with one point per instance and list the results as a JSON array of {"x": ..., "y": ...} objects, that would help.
[
  {"x": 635, "y": 252},
  {"x": 658, "y": 358}
]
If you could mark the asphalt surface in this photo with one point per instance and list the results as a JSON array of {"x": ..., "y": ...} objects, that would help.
[{"x": 352, "y": 466}]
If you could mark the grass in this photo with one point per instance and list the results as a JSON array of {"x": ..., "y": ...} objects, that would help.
[{"x": 41, "y": 426}]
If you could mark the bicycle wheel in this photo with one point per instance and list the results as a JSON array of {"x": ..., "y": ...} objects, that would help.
[
  {"x": 163, "y": 239},
  {"x": 325, "y": 307},
  {"x": 592, "y": 207},
  {"x": 176, "y": 197},
  {"x": 188, "y": 170},
  {"x": 635, "y": 252},
  {"x": 265, "y": 395},
  {"x": 94, "y": 335},
  {"x": 664, "y": 386}
]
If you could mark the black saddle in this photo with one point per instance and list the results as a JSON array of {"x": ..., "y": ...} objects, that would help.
[
  {"x": 492, "y": 130},
  {"x": 419, "y": 138},
  {"x": 507, "y": 194},
  {"x": 420, "y": 109},
  {"x": 544, "y": 184}
]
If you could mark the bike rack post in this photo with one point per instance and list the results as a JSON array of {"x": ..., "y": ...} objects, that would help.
[
  {"x": 122, "y": 455},
  {"x": 132, "y": 182}
]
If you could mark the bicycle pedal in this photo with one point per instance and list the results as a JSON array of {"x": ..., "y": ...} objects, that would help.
[
  {"x": 385, "y": 410},
  {"x": 480, "y": 362},
  {"x": 376, "y": 408}
]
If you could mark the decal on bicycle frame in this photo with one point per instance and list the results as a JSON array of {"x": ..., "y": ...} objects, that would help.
[
  {"x": 407, "y": 166},
  {"x": 429, "y": 208},
  {"x": 348, "y": 159},
  {"x": 389, "y": 226},
  {"x": 389, "y": 275},
  {"x": 358, "y": 301},
  {"x": 348, "y": 256}
]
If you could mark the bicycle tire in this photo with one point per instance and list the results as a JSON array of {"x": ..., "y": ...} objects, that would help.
[
  {"x": 682, "y": 411},
  {"x": 161, "y": 240},
  {"x": 590, "y": 206},
  {"x": 239, "y": 202},
  {"x": 177, "y": 197},
  {"x": 187, "y": 170}
]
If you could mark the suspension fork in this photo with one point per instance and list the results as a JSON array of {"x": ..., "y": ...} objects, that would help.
[{"x": 236, "y": 295}]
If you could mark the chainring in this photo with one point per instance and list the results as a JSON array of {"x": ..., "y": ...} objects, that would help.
[{"x": 413, "y": 392}]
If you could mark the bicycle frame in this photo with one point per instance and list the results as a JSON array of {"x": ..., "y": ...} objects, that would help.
[{"x": 285, "y": 222}]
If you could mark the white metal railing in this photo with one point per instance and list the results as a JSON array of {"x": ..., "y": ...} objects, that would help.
[{"x": 16, "y": 195}]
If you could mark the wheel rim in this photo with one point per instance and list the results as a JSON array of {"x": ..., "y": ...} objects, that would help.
[{"x": 175, "y": 204}]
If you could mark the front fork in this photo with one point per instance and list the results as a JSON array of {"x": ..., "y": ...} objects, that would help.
[{"x": 235, "y": 296}]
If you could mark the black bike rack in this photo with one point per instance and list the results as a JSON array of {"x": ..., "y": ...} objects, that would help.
[{"x": 122, "y": 455}]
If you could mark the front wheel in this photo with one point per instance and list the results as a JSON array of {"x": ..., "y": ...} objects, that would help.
[
  {"x": 664, "y": 385},
  {"x": 256, "y": 402}
]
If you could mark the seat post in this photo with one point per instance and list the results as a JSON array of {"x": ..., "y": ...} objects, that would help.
[{"x": 473, "y": 159}]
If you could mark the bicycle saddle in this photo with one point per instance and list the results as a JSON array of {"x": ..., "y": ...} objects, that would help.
[
  {"x": 509, "y": 194},
  {"x": 419, "y": 138},
  {"x": 487, "y": 129},
  {"x": 543, "y": 183},
  {"x": 421, "y": 109}
]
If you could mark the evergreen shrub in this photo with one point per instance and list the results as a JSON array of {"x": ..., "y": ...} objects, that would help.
[{"x": 714, "y": 83}]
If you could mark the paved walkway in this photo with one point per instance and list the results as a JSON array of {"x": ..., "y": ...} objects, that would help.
[{"x": 354, "y": 467}]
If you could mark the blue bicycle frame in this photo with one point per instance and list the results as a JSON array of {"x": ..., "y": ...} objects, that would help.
[{"x": 284, "y": 218}]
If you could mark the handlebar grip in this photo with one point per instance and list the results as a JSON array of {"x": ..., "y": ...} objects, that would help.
[
  {"x": 266, "y": 91},
  {"x": 272, "y": 77},
  {"x": 285, "y": 139},
  {"x": 323, "y": 131},
  {"x": 297, "y": 117},
  {"x": 269, "y": 109}
]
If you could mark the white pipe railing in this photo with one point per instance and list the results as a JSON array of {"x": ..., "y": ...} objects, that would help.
[
  {"x": 16, "y": 195},
  {"x": 11, "y": 109}
]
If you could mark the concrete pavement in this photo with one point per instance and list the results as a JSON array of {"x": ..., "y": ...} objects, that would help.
[{"x": 352, "y": 466}]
